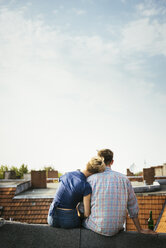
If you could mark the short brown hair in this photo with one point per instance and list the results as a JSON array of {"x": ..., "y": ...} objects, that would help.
[
  {"x": 106, "y": 154},
  {"x": 95, "y": 165}
]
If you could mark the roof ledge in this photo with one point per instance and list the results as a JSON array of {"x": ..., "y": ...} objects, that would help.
[
  {"x": 14, "y": 234},
  {"x": 22, "y": 187}
]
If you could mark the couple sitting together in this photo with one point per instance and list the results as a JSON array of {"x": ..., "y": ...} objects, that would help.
[{"x": 106, "y": 196}]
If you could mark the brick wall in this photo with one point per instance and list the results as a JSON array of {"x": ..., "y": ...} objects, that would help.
[
  {"x": 146, "y": 204},
  {"x": 129, "y": 173},
  {"x": 158, "y": 171},
  {"x": 163, "y": 177},
  {"x": 136, "y": 179},
  {"x": 52, "y": 174},
  {"x": 148, "y": 175},
  {"x": 38, "y": 179},
  {"x": 164, "y": 170}
]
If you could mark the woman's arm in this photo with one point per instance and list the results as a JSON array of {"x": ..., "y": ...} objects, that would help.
[{"x": 86, "y": 202}]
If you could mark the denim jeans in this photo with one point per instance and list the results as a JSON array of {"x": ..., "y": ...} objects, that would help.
[{"x": 64, "y": 219}]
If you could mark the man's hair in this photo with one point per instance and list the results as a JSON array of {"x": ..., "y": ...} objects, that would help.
[
  {"x": 95, "y": 165},
  {"x": 107, "y": 155}
]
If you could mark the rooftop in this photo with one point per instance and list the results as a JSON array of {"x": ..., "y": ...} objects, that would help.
[
  {"x": 24, "y": 190},
  {"x": 11, "y": 182},
  {"x": 161, "y": 223},
  {"x": 20, "y": 202},
  {"x": 49, "y": 192}
]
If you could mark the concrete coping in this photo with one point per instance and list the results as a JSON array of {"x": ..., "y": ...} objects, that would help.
[
  {"x": 15, "y": 234},
  {"x": 12, "y": 183},
  {"x": 147, "y": 188}
]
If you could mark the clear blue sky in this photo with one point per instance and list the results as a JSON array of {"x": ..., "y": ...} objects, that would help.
[{"x": 78, "y": 76}]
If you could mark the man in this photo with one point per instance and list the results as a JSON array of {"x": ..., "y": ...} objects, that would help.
[{"x": 112, "y": 196}]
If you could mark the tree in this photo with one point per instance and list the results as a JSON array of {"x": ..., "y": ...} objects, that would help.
[
  {"x": 3, "y": 168},
  {"x": 23, "y": 170},
  {"x": 14, "y": 168},
  {"x": 60, "y": 174},
  {"x": 19, "y": 171},
  {"x": 140, "y": 173},
  {"x": 48, "y": 168}
]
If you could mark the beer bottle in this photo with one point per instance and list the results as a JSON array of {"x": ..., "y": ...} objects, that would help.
[{"x": 150, "y": 222}]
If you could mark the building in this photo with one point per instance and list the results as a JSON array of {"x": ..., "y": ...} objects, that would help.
[
  {"x": 150, "y": 189},
  {"x": 28, "y": 201}
]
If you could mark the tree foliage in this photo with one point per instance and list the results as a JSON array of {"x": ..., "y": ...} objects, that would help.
[
  {"x": 19, "y": 170},
  {"x": 48, "y": 168},
  {"x": 60, "y": 174},
  {"x": 23, "y": 169},
  {"x": 140, "y": 173},
  {"x": 3, "y": 168}
]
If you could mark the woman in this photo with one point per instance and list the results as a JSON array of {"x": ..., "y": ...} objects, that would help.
[{"x": 73, "y": 189}]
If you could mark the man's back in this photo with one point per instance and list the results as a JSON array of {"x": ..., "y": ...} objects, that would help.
[{"x": 112, "y": 195}]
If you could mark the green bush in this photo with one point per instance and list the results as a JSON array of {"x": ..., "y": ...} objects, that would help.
[
  {"x": 19, "y": 171},
  {"x": 3, "y": 168}
]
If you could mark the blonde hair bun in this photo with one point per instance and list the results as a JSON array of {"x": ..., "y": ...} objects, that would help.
[{"x": 96, "y": 165}]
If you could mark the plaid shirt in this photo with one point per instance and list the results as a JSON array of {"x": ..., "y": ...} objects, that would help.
[{"x": 112, "y": 196}]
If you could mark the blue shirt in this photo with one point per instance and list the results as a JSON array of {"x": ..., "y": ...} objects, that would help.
[{"x": 73, "y": 187}]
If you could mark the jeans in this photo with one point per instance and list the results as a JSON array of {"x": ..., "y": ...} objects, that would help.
[{"x": 64, "y": 219}]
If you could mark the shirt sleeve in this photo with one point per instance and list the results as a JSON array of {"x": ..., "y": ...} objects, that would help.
[
  {"x": 61, "y": 178},
  {"x": 87, "y": 190},
  {"x": 132, "y": 204}
]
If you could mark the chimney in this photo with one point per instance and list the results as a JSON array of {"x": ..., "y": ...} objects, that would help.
[
  {"x": 38, "y": 179},
  {"x": 129, "y": 173},
  {"x": 52, "y": 174},
  {"x": 148, "y": 175}
]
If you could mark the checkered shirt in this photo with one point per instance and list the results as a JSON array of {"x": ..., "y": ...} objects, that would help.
[{"x": 112, "y": 196}]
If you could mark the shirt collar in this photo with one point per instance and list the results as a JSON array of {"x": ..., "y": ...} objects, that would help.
[
  {"x": 82, "y": 175},
  {"x": 107, "y": 168}
]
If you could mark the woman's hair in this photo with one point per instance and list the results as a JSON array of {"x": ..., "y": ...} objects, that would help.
[
  {"x": 107, "y": 155},
  {"x": 95, "y": 165}
]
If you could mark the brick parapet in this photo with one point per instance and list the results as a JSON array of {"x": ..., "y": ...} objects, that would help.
[
  {"x": 149, "y": 175},
  {"x": 38, "y": 179}
]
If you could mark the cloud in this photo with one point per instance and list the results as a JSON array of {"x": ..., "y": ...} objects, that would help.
[
  {"x": 145, "y": 36},
  {"x": 150, "y": 9},
  {"x": 38, "y": 58},
  {"x": 79, "y": 11},
  {"x": 146, "y": 33},
  {"x": 55, "y": 11},
  {"x": 44, "y": 54}
]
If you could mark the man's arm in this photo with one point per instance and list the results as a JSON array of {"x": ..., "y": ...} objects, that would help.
[
  {"x": 139, "y": 229},
  {"x": 133, "y": 209}
]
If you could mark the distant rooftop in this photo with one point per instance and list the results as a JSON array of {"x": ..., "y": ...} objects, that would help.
[
  {"x": 24, "y": 190},
  {"x": 5, "y": 183},
  {"x": 49, "y": 192}
]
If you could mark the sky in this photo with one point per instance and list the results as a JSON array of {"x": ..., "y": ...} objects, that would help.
[{"x": 82, "y": 75}]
